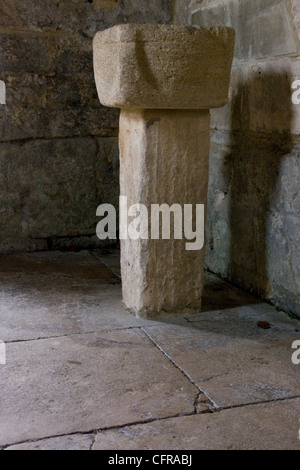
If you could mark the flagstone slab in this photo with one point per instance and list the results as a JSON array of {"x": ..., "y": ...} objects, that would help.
[
  {"x": 271, "y": 426},
  {"x": 55, "y": 293},
  {"x": 232, "y": 359},
  {"x": 83, "y": 383},
  {"x": 73, "y": 442}
]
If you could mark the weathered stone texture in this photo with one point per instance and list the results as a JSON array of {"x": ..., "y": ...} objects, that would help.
[
  {"x": 160, "y": 163},
  {"x": 253, "y": 217},
  {"x": 51, "y": 188},
  {"x": 180, "y": 12},
  {"x": 270, "y": 426},
  {"x": 165, "y": 78},
  {"x": 89, "y": 382},
  {"x": 163, "y": 66},
  {"x": 81, "y": 16},
  {"x": 230, "y": 358},
  {"x": 295, "y": 14},
  {"x": 262, "y": 26},
  {"x": 260, "y": 98},
  {"x": 72, "y": 442},
  {"x": 50, "y": 89},
  {"x": 73, "y": 380},
  {"x": 253, "y": 211},
  {"x": 53, "y": 107}
]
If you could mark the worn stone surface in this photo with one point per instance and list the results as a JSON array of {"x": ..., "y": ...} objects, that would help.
[
  {"x": 50, "y": 88},
  {"x": 47, "y": 64},
  {"x": 80, "y": 17},
  {"x": 295, "y": 14},
  {"x": 162, "y": 66},
  {"x": 262, "y": 26},
  {"x": 253, "y": 219},
  {"x": 230, "y": 358},
  {"x": 50, "y": 193},
  {"x": 68, "y": 107},
  {"x": 273, "y": 426},
  {"x": 161, "y": 276},
  {"x": 72, "y": 17},
  {"x": 253, "y": 216},
  {"x": 74, "y": 442},
  {"x": 89, "y": 379},
  {"x": 111, "y": 259},
  {"x": 87, "y": 382},
  {"x": 44, "y": 54},
  {"x": 143, "y": 67},
  {"x": 180, "y": 12},
  {"x": 260, "y": 99},
  {"x": 54, "y": 294}
]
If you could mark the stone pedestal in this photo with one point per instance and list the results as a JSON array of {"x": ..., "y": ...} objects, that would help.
[
  {"x": 163, "y": 160},
  {"x": 165, "y": 79}
]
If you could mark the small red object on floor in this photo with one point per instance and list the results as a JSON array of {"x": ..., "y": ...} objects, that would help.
[{"x": 264, "y": 325}]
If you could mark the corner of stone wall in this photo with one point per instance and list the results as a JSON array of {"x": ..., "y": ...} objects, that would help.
[
  {"x": 58, "y": 145},
  {"x": 253, "y": 229}
]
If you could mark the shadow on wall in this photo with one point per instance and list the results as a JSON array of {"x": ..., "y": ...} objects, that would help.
[
  {"x": 254, "y": 251},
  {"x": 252, "y": 171}
]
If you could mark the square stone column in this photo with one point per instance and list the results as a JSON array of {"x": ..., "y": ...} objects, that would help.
[
  {"x": 165, "y": 79},
  {"x": 163, "y": 160}
]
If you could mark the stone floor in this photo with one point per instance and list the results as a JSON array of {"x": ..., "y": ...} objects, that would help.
[{"x": 82, "y": 373}]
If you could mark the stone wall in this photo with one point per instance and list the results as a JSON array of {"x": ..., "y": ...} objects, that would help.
[
  {"x": 58, "y": 145},
  {"x": 253, "y": 225},
  {"x": 59, "y": 151}
]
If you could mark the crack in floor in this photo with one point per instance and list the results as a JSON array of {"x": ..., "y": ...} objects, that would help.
[
  {"x": 69, "y": 335},
  {"x": 98, "y": 430},
  {"x": 94, "y": 433},
  {"x": 244, "y": 405},
  {"x": 94, "y": 436},
  {"x": 202, "y": 403},
  {"x": 186, "y": 375}
]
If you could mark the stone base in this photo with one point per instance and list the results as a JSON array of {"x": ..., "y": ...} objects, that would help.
[{"x": 164, "y": 160}]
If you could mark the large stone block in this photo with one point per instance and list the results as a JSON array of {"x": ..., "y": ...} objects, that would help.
[
  {"x": 41, "y": 105},
  {"x": 262, "y": 26},
  {"x": 50, "y": 189},
  {"x": 50, "y": 89},
  {"x": 46, "y": 63},
  {"x": 241, "y": 428},
  {"x": 295, "y": 10},
  {"x": 143, "y": 11},
  {"x": 260, "y": 98},
  {"x": 80, "y": 16},
  {"x": 253, "y": 216},
  {"x": 270, "y": 96},
  {"x": 42, "y": 53},
  {"x": 73, "y": 383},
  {"x": 159, "y": 66}
]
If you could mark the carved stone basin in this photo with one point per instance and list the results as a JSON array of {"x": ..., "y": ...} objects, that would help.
[
  {"x": 165, "y": 79},
  {"x": 163, "y": 67}
]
